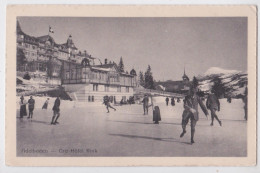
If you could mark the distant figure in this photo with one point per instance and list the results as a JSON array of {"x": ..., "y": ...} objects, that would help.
[
  {"x": 167, "y": 100},
  {"x": 213, "y": 105},
  {"x": 145, "y": 104},
  {"x": 191, "y": 102},
  {"x": 106, "y": 101},
  {"x": 56, "y": 111},
  {"x": 229, "y": 99},
  {"x": 31, "y": 103},
  {"x": 244, "y": 98},
  {"x": 156, "y": 115},
  {"x": 45, "y": 105},
  {"x": 178, "y": 100},
  {"x": 27, "y": 76},
  {"x": 22, "y": 103},
  {"x": 172, "y": 101}
]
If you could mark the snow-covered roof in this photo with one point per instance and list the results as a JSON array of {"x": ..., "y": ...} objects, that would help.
[{"x": 101, "y": 69}]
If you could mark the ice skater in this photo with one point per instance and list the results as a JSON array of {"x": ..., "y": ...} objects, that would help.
[
  {"x": 156, "y": 115},
  {"x": 22, "y": 103},
  {"x": 213, "y": 105},
  {"x": 191, "y": 102},
  {"x": 45, "y": 105},
  {"x": 172, "y": 101},
  {"x": 145, "y": 104},
  {"x": 106, "y": 101},
  {"x": 56, "y": 111},
  {"x": 31, "y": 103},
  {"x": 244, "y": 98},
  {"x": 167, "y": 101}
]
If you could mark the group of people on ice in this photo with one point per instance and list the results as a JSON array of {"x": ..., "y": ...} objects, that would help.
[
  {"x": 31, "y": 103},
  {"x": 172, "y": 101},
  {"x": 190, "y": 113}
]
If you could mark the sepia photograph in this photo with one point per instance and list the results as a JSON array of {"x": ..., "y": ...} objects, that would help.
[{"x": 112, "y": 86}]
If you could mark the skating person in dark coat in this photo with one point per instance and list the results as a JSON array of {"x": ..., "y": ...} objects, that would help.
[
  {"x": 213, "y": 105},
  {"x": 145, "y": 104},
  {"x": 22, "y": 103},
  {"x": 172, "y": 101},
  {"x": 56, "y": 111},
  {"x": 156, "y": 115},
  {"x": 245, "y": 101},
  {"x": 31, "y": 103},
  {"x": 106, "y": 101},
  {"x": 191, "y": 102},
  {"x": 167, "y": 101},
  {"x": 45, "y": 105}
]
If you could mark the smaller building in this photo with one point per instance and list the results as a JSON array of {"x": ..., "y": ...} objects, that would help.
[
  {"x": 91, "y": 83},
  {"x": 181, "y": 86}
]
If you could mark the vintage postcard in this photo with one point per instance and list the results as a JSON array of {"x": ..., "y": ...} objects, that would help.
[{"x": 131, "y": 85}]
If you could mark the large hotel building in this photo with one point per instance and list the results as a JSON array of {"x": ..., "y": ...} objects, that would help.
[{"x": 75, "y": 70}]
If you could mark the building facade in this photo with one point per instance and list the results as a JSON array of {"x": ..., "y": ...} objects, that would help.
[
  {"x": 74, "y": 69},
  {"x": 43, "y": 56},
  {"x": 92, "y": 83}
]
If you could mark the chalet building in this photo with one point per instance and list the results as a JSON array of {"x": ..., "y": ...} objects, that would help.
[{"x": 92, "y": 83}]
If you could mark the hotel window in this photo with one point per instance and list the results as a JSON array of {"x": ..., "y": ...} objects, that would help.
[
  {"x": 33, "y": 47},
  {"x": 127, "y": 89},
  {"x": 119, "y": 89},
  {"x": 106, "y": 88},
  {"x": 26, "y": 45},
  {"x": 95, "y": 87}
]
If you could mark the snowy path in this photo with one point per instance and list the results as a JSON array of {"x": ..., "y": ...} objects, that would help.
[{"x": 127, "y": 132}]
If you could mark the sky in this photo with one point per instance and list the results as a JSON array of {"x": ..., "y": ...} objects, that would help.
[{"x": 166, "y": 44}]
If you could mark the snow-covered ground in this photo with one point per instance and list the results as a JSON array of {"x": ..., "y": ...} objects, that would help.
[
  {"x": 127, "y": 132},
  {"x": 230, "y": 111}
]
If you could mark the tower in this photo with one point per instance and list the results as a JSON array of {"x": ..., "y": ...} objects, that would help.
[{"x": 185, "y": 77}]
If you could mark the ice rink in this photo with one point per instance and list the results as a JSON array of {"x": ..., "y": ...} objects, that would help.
[{"x": 86, "y": 129}]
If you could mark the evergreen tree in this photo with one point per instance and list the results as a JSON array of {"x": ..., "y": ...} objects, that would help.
[
  {"x": 195, "y": 82},
  {"x": 141, "y": 78},
  {"x": 121, "y": 65},
  {"x": 148, "y": 79},
  {"x": 218, "y": 87}
]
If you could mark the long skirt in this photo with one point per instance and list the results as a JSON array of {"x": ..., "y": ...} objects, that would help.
[
  {"x": 23, "y": 111},
  {"x": 156, "y": 116},
  {"x": 45, "y": 106}
]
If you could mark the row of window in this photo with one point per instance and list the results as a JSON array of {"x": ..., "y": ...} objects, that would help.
[
  {"x": 30, "y": 53},
  {"x": 112, "y": 99},
  {"x": 95, "y": 88}
]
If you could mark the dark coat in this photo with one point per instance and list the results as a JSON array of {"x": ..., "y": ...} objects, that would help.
[
  {"x": 56, "y": 106},
  {"x": 156, "y": 114},
  {"x": 145, "y": 101},
  {"x": 213, "y": 102},
  {"x": 31, "y": 103},
  {"x": 193, "y": 102}
]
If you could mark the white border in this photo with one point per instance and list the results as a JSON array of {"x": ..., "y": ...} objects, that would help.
[{"x": 4, "y": 168}]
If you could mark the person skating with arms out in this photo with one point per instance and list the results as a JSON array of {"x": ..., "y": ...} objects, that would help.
[{"x": 191, "y": 102}]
